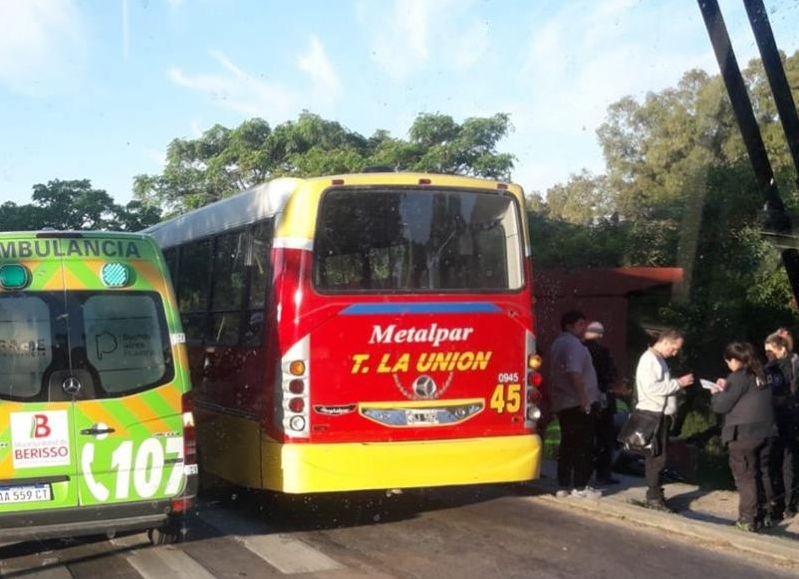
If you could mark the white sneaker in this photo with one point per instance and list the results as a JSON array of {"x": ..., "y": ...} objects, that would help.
[
  {"x": 587, "y": 493},
  {"x": 562, "y": 494}
]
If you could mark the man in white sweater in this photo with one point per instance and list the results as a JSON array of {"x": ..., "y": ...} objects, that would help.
[{"x": 656, "y": 391}]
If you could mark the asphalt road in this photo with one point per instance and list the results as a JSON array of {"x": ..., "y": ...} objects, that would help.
[{"x": 444, "y": 533}]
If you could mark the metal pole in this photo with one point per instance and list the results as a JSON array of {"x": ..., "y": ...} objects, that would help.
[
  {"x": 775, "y": 72},
  {"x": 776, "y": 218}
]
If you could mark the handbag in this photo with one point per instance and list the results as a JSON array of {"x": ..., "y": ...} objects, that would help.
[{"x": 640, "y": 433}]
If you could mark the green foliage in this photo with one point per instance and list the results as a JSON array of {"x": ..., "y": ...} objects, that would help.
[
  {"x": 584, "y": 200},
  {"x": 558, "y": 243},
  {"x": 224, "y": 161},
  {"x": 679, "y": 191},
  {"x": 698, "y": 422},
  {"x": 75, "y": 205}
]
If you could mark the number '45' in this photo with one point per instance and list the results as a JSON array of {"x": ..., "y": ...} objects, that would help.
[{"x": 507, "y": 398}]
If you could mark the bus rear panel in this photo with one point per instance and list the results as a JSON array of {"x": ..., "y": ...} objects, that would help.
[{"x": 397, "y": 345}]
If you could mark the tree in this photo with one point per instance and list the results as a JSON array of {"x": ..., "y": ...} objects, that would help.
[
  {"x": 224, "y": 161},
  {"x": 584, "y": 199},
  {"x": 136, "y": 216},
  {"x": 443, "y": 146},
  {"x": 75, "y": 205},
  {"x": 15, "y": 217},
  {"x": 680, "y": 184}
]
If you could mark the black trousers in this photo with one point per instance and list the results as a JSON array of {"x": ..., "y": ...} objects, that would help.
[
  {"x": 575, "y": 458},
  {"x": 782, "y": 470},
  {"x": 745, "y": 464},
  {"x": 654, "y": 465},
  {"x": 605, "y": 442}
]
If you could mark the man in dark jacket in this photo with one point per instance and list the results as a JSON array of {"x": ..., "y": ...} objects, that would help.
[{"x": 605, "y": 432}]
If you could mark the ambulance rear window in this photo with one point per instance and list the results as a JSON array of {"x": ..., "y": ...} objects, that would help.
[
  {"x": 125, "y": 341},
  {"x": 26, "y": 345},
  {"x": 117, "y": 343}
]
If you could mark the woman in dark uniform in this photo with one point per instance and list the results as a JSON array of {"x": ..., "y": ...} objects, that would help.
[
  {"x": 744, "y": 399},
  {"x": 785, "y": 446}
]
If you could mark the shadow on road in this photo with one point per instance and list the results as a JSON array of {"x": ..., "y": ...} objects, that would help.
[
  {"x": 258, "y": 513},
  {"x": 313, "y": 512},
  {"x": 35, "y": 557}
]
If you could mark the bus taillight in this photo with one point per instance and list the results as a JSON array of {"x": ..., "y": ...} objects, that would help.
[
  {"x": 533, "y": 413},
  {"x": 535, "y": 379},
  {"x": 532, "y": 399},
  {"x": 297, "y": 423},
  {"x": 297, "y": 405},
  {"x": 533, "y": 396},
  {"x": 294, "y": 392}
]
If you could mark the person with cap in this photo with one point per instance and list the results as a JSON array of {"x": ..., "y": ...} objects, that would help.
[{"x": 607, "y": 376}]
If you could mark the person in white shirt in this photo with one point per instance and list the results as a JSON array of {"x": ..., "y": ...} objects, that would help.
[{"x": 656, "y": 391}]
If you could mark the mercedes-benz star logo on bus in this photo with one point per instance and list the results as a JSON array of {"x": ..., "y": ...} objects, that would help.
[
  {"x": 71, "y": 385},
  {"x": 425, "y": 387}
]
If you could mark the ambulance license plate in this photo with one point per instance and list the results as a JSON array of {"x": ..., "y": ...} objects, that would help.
[{"x": 25, "y": 494}]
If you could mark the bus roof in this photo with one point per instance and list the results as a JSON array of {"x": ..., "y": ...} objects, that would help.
[
  {"x": 247, "y": 207},
  {"x": 270, "y": 198}
]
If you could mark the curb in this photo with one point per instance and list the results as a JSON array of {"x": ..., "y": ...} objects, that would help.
[{"x": 783, "y": 552}]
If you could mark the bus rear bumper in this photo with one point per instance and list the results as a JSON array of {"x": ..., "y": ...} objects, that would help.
[{"x": 308, "y": 468}]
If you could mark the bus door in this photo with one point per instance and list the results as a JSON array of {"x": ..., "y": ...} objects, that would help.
[{"x": 38, "y": 452}]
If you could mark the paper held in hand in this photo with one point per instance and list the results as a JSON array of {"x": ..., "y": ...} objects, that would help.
[{"x": 708, "y": 385}]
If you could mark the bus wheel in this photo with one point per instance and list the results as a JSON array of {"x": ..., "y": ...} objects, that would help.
[{"x": 172, "y": 532}]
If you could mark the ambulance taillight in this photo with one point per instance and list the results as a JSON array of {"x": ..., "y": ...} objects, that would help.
[{"x": 189, "y": 431}]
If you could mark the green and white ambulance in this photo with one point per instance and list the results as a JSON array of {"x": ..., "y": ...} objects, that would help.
[{"x": 96, "y": 427}]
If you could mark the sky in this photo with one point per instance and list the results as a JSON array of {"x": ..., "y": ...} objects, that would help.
[{"x": 98, "y": 88}]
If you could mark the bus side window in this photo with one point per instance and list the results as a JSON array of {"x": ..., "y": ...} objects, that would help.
[
  {"x": 228, "y": 287},
  {"x": 171, "y": 258},
  {"x": 228, "y": 276},
  {"x": 259, "y": 263},
  {"x": 193, "y": 287}
]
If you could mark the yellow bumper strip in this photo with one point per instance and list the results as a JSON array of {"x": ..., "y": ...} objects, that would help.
[{"x": 309, "y": 468}]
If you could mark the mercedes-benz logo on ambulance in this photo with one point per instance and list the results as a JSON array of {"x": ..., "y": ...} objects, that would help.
[
  {"x": 71, "y": 385},
  {"x": 425, "y": 387}
]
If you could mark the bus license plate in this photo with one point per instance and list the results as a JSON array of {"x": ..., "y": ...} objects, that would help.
[
  {"x": 421, "y": 416},
  {"x": 25, "y": 494}
]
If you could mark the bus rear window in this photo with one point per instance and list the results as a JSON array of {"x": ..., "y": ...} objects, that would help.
[{"x": 417, "y": 240}]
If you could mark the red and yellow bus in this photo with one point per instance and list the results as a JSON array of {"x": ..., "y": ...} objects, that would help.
[{"x": 364, "y": 331}]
